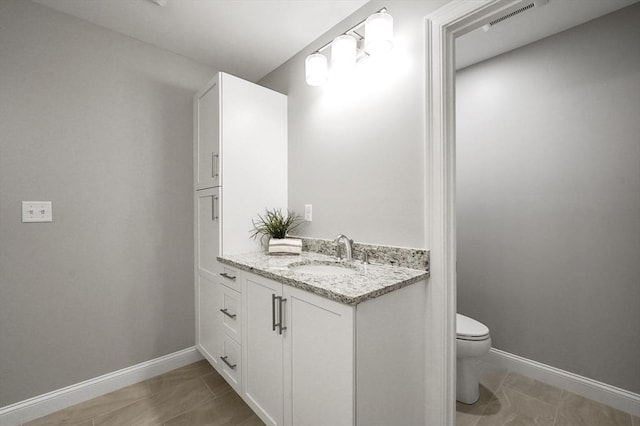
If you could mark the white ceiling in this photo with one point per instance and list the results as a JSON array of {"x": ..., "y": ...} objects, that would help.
[
  {"x": 247, "y": 38},
  {"x": 529, "y": 26},
  {"x": 250, "y": 38}
]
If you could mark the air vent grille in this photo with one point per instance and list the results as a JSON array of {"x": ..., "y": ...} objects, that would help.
[{"x": 514, "y": 13}]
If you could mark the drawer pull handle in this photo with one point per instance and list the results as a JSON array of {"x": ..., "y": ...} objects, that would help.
[
  {"x": 231, "y": 366},
  {"x": 224, "y": 311},
  {"x": 278, "y": 324},
  {"x": 214, "y": 165},
  {"x": 273, "y": 312},
  {"x": 227, "y": 276},
  {"x": 214, "y": 215}
]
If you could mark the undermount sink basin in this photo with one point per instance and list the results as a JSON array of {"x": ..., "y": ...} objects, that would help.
[{"x": 323, "y": 269}]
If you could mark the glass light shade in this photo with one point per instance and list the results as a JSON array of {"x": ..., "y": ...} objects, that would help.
[
  {"x": 343, "y": 54},
  {"x": 378, "y": 33},
  {"x": 316, "y": 69}
]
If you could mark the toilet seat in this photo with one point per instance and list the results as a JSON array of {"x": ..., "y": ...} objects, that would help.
[{"x": 470, "y": 329}]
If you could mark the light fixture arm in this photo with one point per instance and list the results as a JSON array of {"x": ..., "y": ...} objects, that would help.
[{"x": 352, "y": 32}]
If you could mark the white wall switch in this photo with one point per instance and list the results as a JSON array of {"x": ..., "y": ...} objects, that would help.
[
  {"x": 307, "y": 213},
  {"x": 37, "y": 211}
]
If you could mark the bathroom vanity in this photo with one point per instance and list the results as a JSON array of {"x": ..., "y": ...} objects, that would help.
[
  {"x": 318, "y": 346},
  {"x": 304, "y": 339}
]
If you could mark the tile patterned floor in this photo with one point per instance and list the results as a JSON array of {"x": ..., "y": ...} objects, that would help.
[
  {"x": 508, "y": 399},
  {"x": 194, "y": 395}
]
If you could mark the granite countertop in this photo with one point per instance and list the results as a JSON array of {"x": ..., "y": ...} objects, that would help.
[{"x": 369, "y": 280}]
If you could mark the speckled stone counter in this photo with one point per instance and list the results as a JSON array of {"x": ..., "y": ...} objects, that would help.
[{"x": 368, "y": 281}]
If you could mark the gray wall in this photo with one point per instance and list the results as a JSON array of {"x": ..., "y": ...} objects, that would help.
[
  {"x": 356, "y": 151},
  {"x": 101, "y": 125},
  {"x": 549, "y": 199}
]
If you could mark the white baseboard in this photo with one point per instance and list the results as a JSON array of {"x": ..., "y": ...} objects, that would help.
[
  {"x": 592, "y": 389},
  {"x": 50, "y": 402}
]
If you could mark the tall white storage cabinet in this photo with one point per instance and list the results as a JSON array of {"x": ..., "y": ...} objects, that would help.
[{"x": 240, "y": 167}]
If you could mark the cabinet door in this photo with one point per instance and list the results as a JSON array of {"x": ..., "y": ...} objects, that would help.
[
  {"x": 254, "y": 158},
  {"x": 208, "y": 324},
  {"x": 262, "y": 349},
  {"x": 319, "y": 361},
  {"x": 207, "y": 231},
  {"x": 207, "y": 136}
]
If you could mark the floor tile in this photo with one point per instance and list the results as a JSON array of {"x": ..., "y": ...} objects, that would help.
[
  {"x": 252, "y": 421},
  {"x": 228, "y": 410},
  {"x": 469, "y": 414},
  {"x": 216, "y": 384},
  {"x": 197, "y": 395},
  {"x": 578, "y": 411},
  {"x": 172, "y": 399},
  {"x": 88, "y": 422},
  {"x": 493, "y": 379},
  {"x": 197, "y": 369},
  {"x": 145, "y": 412},
  {"x": 534, "y": 388},
  {"x": 78, "y": 414},
  {"x": 510, "y": 407}
]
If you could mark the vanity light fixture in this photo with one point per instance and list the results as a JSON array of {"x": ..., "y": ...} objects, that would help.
[{"x": 349, "y": 48}]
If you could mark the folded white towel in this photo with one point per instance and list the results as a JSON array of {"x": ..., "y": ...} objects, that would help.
[{"x": 285, "y": 245}]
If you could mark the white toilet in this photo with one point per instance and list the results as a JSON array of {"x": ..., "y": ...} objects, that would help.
[{"x": 472, "y": 342}]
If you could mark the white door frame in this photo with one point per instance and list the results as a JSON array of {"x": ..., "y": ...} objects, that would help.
[{"x": 454, "y": 19}]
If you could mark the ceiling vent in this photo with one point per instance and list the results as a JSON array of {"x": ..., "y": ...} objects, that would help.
[{"x": 535, "y": 3}]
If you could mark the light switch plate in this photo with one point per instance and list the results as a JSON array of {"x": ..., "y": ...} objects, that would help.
[
  {"x": 37, "y": 211},
  {"x": 307, "y": 213}
]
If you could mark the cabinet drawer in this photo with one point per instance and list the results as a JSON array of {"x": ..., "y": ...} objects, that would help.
[
  {"x": 229, "y": 277},
  {"x": 231, "y": 313},
  {"x": 231, "y": 362}
]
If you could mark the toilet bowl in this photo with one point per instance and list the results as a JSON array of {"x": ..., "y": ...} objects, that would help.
[{"x": 472, "y": 342}]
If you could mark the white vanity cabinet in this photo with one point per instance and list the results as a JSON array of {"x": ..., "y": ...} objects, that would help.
[
  {"x": 240, "y": 167},
  {"x": 298, "y": 355},
  {"x": 313, "y": 361}
]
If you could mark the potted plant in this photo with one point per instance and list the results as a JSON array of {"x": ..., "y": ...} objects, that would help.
[{"x": 274, "y": 226}]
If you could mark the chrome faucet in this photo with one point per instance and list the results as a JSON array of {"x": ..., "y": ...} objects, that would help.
[{"x": 348, "y": 245}]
